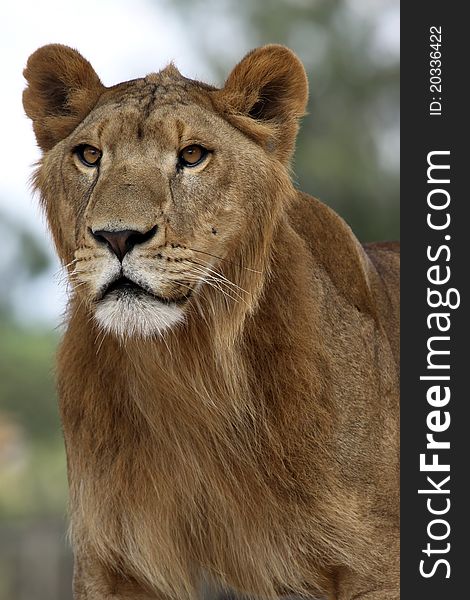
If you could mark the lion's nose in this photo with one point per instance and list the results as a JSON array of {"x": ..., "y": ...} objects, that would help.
[{"x": 120, "y": 242}]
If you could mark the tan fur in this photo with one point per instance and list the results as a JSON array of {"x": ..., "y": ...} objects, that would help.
[{"x": 255, "y": 443}]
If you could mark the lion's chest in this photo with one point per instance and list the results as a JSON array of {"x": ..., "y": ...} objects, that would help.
[{"x": 162, "y": 520}]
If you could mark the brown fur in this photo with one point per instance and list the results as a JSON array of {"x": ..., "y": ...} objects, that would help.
[{"x": 256, "y": 443}]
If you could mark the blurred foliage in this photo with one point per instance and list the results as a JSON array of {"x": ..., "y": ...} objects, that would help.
[
  {"x": 23, "y": 258},
  {"x": 347, "y": 151},
  {"x": 32, "y": 461},
  {"x": 27, "y": 394},
  {"x": 37, "y": 485},
  {"x": 32, "y": 465}
]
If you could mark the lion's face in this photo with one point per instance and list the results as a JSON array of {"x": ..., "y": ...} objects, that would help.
[
  {"x": 153, "y": 218},
  {"x": 157, "y": 187}
]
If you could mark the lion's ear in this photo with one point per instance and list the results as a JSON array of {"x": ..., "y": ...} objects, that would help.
[
  {"x": 62, "y": 89},
  {"x": 265, "y": 95}
]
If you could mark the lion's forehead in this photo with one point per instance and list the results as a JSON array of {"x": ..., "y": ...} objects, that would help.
[
  {"x": 163, "y": 108},
  {"x": 166, "y": 88}
]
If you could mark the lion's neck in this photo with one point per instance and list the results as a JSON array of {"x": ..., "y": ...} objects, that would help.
[
  {"x": 218, "y": 364},
  {"x": 220, "y": 370}
]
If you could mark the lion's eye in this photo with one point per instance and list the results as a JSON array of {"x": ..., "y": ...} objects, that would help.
[
  {"x": 89, "y": 155},
  {"x": 192, "y": 155}
]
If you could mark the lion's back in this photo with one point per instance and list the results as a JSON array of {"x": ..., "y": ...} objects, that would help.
[
  {"x": 386, "y": 259},
  {"x": 385, "y": 256}
]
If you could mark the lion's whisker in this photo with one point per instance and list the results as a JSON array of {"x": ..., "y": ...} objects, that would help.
[
  {"x": 208, "y": 277},
  {"x": 225, "y": 259},
  {"x": 212, "y": 282},
  {"x": 219, "y": 274}
]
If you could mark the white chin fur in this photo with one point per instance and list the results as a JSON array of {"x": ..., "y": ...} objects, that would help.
[{"x": 136, "y": 316}]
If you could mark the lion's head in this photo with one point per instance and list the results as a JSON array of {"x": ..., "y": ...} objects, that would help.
[{"x": 155, "y": 188}]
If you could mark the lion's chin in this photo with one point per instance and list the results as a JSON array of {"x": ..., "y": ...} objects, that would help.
[{"x": 136, "y": 315}]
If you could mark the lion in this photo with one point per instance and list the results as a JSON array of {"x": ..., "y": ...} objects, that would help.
[{"x": 228, "y": 378}]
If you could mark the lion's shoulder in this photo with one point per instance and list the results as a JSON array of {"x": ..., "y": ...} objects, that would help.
[
  {"x": 334, "y": 247},
  {"x": 366, "y": 276}
]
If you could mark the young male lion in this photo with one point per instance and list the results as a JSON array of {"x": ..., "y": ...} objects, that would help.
[{"x": 228, "y": 380}]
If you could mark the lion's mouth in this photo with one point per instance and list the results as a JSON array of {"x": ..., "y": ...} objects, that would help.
[{"x": 126, "y": 287}]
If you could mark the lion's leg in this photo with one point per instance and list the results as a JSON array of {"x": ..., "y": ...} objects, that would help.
[{"x": 92, "y": 581}]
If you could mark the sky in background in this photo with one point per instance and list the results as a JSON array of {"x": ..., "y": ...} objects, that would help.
[{"x": 123, "y": 39}]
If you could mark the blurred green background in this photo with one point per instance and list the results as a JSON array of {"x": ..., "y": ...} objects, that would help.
[{"x": 347, "y": 155}]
